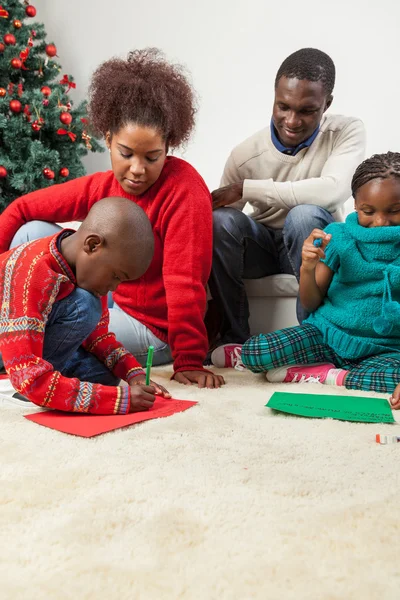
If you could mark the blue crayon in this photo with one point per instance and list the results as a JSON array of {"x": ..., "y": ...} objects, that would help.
[{"x": 318, "y": 242}]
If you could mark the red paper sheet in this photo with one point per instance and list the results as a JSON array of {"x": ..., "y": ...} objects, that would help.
[{"x": 91, "y": 425}]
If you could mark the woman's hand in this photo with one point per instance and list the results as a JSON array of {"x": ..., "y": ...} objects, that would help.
[
  {"x": 160, "y": 389},
  {"x": 202, "y": 378},
  {"x": 311, "y": 254}
]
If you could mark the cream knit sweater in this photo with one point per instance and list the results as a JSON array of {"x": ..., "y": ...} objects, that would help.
[{"x": 320, "y": 174}]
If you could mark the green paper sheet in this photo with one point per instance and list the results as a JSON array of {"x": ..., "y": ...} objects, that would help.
[{"x": 344, "y": 408}]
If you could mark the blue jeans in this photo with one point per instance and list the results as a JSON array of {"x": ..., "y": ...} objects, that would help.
[
  {"x": 131, "y": 333},
  {"x": 70, "y": 322},
  {"x": 137, "y": 338},
  {"x": 245, "y": 249},
  {"x": 34, "y": 230}
]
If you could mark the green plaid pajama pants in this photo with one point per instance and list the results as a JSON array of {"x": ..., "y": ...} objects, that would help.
[{"x": 303, "y": 345}]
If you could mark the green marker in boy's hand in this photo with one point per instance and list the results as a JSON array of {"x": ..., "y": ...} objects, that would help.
[
  {"x": 149, "y": 363},
  {"x": 145, "y": 379}
]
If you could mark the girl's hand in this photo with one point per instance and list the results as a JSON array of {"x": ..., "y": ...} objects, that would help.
[
  {"x": 160, "y": 390},
  {"x": 395, "y": 398},
  {"x": 311, "y": 254},
  {"x": 202, "y": 378}
]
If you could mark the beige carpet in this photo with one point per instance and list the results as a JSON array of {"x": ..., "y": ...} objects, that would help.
[{"x": 225, "y": 501}]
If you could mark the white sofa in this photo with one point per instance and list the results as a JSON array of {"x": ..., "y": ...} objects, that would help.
[
  {"x": 272, "y": 299},
  {"x": 272, "y": 302}
]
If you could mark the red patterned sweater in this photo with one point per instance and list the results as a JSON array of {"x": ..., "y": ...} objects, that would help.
[
  {"x": 170, "y": 299},
  {"x": 32, "y": 277}
]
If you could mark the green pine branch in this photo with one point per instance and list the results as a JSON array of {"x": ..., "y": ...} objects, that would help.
[{"x": 32, "y": 137}]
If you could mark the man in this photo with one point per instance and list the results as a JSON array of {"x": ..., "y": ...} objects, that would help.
[{"x": 277, "y": 186}]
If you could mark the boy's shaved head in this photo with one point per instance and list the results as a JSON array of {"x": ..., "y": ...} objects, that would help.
[
  {"x": 124, "y": 229},
  {"x": 114, "y": 244}
]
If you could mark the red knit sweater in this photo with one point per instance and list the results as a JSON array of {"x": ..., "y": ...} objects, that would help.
[
  {"x": 32, "y": 277},
  {"x": 170, "y": 299}
]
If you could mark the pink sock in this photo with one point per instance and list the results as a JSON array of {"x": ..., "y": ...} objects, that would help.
[{"x": 336, "y": 377}]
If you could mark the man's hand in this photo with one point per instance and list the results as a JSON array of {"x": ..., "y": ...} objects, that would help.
[
  {"x": 310, "y": 254},
  {"x": 395, "y": 398},
  {"x": 227, "y": 195},
  {"x": 142, "y": 397},
  {"x": 160, "y": 390},
  {"x": 203, "y": 379}
]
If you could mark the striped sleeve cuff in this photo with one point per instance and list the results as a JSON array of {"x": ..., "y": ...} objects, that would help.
[
  {"x": 123, "y": 401},
  {"x": 134, "y": 372}
]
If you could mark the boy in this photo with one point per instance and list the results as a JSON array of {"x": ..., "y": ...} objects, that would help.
[{"x": 54, "y": 338}]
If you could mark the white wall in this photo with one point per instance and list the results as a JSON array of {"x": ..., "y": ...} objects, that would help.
[{"x": 233, "y": 49}]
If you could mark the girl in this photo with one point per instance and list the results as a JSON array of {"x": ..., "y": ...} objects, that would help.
[
  {"x": 143, "y": 106},
  {"x": 350, "y": 282}
]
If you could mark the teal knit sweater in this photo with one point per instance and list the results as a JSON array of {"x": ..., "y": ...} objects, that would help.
[{"x": 360, "y": 315}]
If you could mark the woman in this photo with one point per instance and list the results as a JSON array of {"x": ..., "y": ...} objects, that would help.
[{"x": 143, "y": 106}]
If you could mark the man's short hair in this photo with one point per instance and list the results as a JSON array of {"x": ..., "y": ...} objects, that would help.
[{"x": 310, "y": 64}]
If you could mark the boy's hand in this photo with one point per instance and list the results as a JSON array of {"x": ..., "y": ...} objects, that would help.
[
  {"x": 310, "y": 254},
  {"x": 160, "y": 390},
  {"x": 395, "y": 398},
  {"x": 202, "y": 379},
  {"x": 142, "y": 397}
]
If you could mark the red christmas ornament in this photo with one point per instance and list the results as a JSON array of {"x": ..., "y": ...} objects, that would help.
[
  {"x": 3, "y": 92},
  {"x": 9, "y": 39},
  {"x": 15, "y": 106},
  {"x": 16, "y": 63},
  {"x": 45, "y": 102},
  {"x": 27, "y": 109},
  {"x": 70, "y": 134},
  {"x": 37, "y": 124},
  {"x": 24, "y": 54},
  {"x": 30, "y": 11},
  {"x": 2, "y": 47},
  {"x": 3, "y": 172},
  {"x": 51, "y": 50},
  {"x": 27, "y": 112},
  {"x": 46, "y": 91},
  {"x": 17, "y": 24},
  {"x": 65, "y": 81},
  {"x": 64, "y": 172},
  {"x": 65, "y": 118},
  {"x": 48, "y": 173}
]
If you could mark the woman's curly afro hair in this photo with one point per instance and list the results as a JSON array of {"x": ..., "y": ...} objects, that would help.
[{"x": 146, "y": 90}]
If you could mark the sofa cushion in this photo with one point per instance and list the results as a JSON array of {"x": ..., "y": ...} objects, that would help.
[
  {"x": 273, "y": 285},
  {"x": 71, "y": 225}
]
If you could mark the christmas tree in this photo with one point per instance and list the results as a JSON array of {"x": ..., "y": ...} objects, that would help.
[{"x": 42, "y": 137}]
